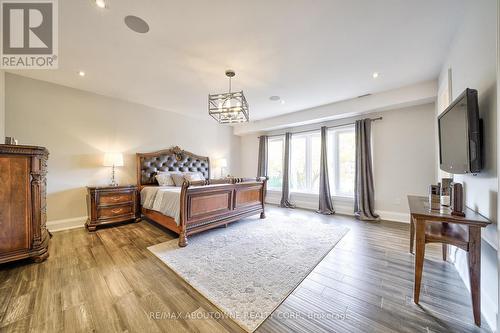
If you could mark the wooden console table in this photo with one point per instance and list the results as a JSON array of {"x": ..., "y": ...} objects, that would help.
[{"x": 439, "y": 226}]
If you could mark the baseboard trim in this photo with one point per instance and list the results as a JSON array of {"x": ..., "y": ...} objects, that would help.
[
  {"x": 66, "y": 224},
  {"x": 344, "y": 208},
  {"x": 394, "y": 216}
]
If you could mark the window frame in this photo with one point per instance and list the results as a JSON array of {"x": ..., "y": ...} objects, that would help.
[
  {"x": 308, "y": 161},
  {"x": 333, "y": 152},
  {"x": 334, "y": 160},
  {"x": 274, "y": 139}
]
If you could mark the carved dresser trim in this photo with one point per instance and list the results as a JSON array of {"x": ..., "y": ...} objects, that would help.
[{"x": 23, "y": 211}]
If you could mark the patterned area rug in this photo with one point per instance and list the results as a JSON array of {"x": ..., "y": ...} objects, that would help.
[{"x": 250, "y": 267}]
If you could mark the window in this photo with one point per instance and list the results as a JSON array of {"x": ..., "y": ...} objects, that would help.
[
  {"x": 305, "y": 159},
  {"x": 275, "y": 162},
  {"x": 341, "y": 160}
]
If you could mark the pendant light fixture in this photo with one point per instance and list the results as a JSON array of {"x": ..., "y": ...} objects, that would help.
[{"x": 230, "y": 107}]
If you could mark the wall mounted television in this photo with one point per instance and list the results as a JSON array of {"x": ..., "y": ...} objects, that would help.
[{"x": 460, "y": 135}]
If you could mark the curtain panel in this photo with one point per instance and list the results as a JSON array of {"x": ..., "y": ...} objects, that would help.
[
  {"x": 364, "y": 192},
  {"x": 285, "y": 190},
  {"x": 325, "y": 198},
  {"x": 263, "y": 159}
]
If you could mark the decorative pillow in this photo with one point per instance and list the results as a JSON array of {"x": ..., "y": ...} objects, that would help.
[
  {"x": 193, "y": 176},
  {"x": 178, "y": 178},
  {"x": 164, "y": 179}
]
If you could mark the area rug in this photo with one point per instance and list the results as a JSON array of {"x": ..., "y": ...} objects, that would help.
[{"x": 250, "y": 267}]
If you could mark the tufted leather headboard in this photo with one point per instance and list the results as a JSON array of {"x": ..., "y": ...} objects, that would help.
[{"x": 173, "y": 159}]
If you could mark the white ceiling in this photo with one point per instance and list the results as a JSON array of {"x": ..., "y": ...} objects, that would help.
[{"x": 309, "y": 52}]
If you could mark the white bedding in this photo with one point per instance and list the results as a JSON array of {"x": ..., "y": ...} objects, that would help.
[{"x": 163, "y": 199}]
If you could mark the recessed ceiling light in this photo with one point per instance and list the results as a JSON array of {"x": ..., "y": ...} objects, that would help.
[
  {"x": 136, "y": 24},
  {"x": 81, "y": 73},
  {"x": 282, "y": 101},
  {"x": 375, "y": 75},
  {"x": 100, "y": 3},
  {"x": 274, "y": 98}
]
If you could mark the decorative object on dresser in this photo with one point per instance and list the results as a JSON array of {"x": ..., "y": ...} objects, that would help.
[
  {"x": 457, "y": 199},
  {"x": 442, "y": 226},
  {"x": 113, "y": 160},
  {"x": 111, "y": 204},
  {"x": 445, "y": 191},
  {"x": 10, "y": 140},
  {"x": 200, "y": 205},
  {"x": 434, "y": 197},
  {"x": 23, "y": 233}
]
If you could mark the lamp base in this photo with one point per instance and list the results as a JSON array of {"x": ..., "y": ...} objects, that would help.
[{"x": 113, "y": 181}]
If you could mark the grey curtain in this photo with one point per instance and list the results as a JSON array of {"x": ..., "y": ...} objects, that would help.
[
  {"x": 325, "y": 199},
  {"x": 285, "y": 190},
  {"x": 262, "y": 162},
  {"x": 364, "y": 194}
]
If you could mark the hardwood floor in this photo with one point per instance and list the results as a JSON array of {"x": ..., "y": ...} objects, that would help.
[{"x": 108, "y": 281}]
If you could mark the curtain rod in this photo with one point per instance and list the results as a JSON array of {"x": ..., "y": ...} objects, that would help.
[{"x": 314, "y": 130}]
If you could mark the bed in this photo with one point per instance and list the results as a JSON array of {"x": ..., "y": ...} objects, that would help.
[{"x": 198, "y": 205}]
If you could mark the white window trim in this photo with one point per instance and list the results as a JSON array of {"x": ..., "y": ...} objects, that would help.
[
  {"x": 308, "y": 161},
  {"x": 335, "y": 151},
  {"x": 312, "y": 195},
  {"x": 282, "y": 139}
]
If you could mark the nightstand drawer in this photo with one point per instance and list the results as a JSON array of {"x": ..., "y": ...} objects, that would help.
[
  {"x": 106, "y": 199},
  {"x": 114, "y": 211}
]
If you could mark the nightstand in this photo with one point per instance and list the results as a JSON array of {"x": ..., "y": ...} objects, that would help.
[{"x": 111, "y": 204}]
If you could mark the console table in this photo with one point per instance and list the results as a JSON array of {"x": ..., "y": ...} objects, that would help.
[{"x": 439, "y": 226}]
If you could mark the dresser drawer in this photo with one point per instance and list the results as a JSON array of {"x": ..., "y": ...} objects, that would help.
[
  {"x": 106, "y": 199},
  {"x": 111, "y": 212}
]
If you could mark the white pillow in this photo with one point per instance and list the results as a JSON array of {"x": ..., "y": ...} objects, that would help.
[
  {"x": 178, "y": 178},
  {"x": 193, "y": 176},
  {"x": 164, "y": 179}
]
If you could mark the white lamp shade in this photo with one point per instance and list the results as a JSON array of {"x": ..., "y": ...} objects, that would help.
[
  {"x": 222, "y": 163},
  {"x": 113, "y": 159}
]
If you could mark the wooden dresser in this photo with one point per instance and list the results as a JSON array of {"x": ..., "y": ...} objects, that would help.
[
  {"x": 23, "y": 233},
  {"x": 111, "y": 204}
]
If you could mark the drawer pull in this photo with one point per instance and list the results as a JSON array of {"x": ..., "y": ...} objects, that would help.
[
  {"x": 116, "y": 210},
  {"x": 116, "y": 198}
]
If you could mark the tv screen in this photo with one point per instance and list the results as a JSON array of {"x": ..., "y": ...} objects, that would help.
[{"x": 459, "y": 135}]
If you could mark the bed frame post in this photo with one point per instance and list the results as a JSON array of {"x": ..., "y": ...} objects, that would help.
[
  {"x": 264, "y": 192},
  {"x": 183, "y": 242}
]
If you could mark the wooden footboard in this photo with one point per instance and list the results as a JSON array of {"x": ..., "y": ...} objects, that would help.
[{"x": 208, "y": 204}]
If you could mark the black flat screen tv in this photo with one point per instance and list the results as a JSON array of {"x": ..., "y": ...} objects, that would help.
[{"x": 460, "y": 135}]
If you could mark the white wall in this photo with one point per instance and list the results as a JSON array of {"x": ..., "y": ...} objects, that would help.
[
  {"x": 473, "y": 59},
  {"x": 249, "y": 154},
  {"x": 403, "y": 157},
  {"x": 2, "y": 106},
  {"x": 78, "y": 127},
  {"x": 498, "y": 157}
]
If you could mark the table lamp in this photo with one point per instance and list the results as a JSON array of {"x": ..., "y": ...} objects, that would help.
[
  {"x": 222, "y": 163},
  {"x": 113, "y": 160}
]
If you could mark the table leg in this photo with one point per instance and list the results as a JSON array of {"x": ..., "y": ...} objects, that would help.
[
  {"x": 412, "y": 233},
  {"x": 419, "y": 257},
  {"x": 475, "y": 271}
]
